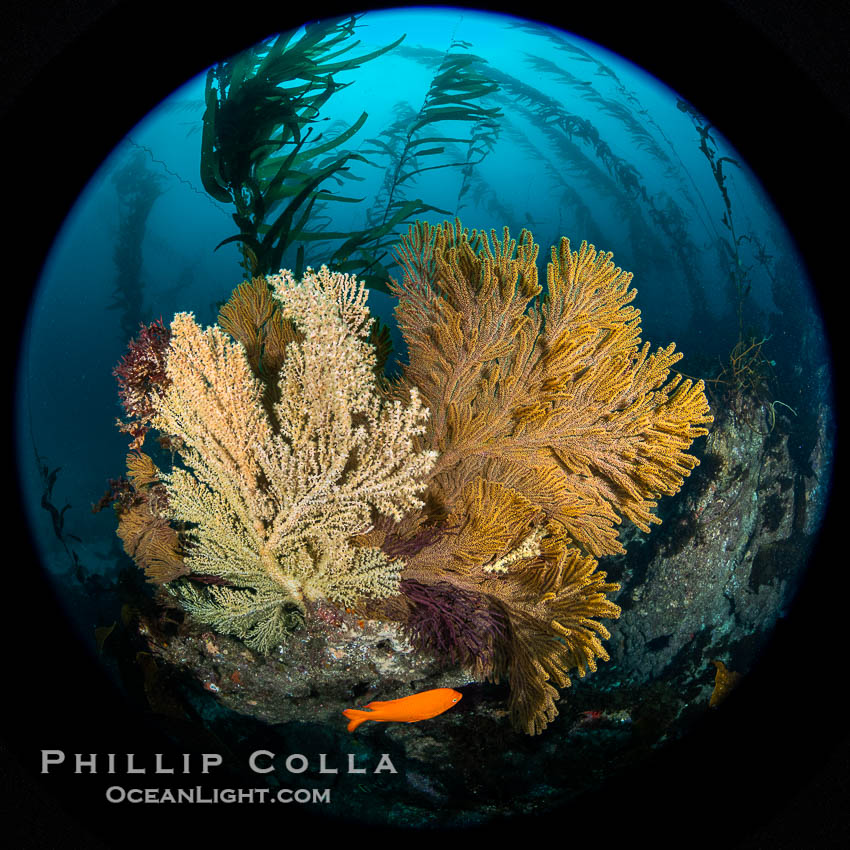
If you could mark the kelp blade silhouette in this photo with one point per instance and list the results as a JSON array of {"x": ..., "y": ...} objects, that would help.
[
  {"x": 257, "y": 148},
  {"x": 416, "y": 143}
]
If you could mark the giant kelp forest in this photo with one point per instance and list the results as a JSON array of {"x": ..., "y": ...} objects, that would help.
[{"x": 274, "y": 152}]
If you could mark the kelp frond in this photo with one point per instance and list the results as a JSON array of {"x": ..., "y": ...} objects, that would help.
[
  {"x": 416, "y": 143},
  {"x": 259, "y": 151}
]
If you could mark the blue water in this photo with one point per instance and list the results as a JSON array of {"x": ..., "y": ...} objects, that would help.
[{"x": 77, "y": 333}]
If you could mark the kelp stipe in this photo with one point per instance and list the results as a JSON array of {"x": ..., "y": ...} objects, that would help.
[
  {"x": 746, "y": 380},
  {"x": 138, "y": 188},
  {"x": 585, "y": 156},
  {"x": 412, "y": 146}
]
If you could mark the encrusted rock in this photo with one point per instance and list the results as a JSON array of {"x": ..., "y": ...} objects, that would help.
[
  {"x": 335, "y": 661},
  {"x": 727, "y": 559}
]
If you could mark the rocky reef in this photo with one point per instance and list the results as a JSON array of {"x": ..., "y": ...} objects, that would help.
[
  {"x": 700, "y": 595},
  {"x": 321, "y": 538}
]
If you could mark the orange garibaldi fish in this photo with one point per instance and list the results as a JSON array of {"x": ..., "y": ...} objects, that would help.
[{"x": 410, "y": 709}]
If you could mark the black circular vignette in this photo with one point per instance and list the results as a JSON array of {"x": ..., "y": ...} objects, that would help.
[{"x": 771, "y": 768}]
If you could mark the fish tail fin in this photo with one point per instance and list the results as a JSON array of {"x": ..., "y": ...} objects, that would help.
[{"x": 356, "y": 717}]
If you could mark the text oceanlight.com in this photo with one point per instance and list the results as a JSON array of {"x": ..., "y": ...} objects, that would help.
[{"x": 118, "y": 794}]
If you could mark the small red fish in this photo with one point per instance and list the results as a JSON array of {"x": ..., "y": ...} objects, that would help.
[{"x": 412, "y": 709}]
